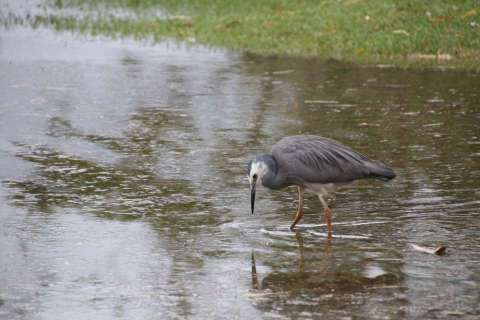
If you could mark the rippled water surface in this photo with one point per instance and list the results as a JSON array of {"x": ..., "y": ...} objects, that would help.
[{"x": 124, "y": 192}]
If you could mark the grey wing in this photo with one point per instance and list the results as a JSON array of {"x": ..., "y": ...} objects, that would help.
[{"x": 315, "y": 159}]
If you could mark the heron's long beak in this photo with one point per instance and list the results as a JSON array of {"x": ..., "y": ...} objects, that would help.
[{"x": 252, "y": 193}]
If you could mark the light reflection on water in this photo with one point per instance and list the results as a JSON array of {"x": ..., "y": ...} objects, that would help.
[{"x": 125, "y": 194}]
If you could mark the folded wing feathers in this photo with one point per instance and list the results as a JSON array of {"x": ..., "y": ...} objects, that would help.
[
  {"x": 330, "y": 161},
  {"x": 319, "y": 153}
]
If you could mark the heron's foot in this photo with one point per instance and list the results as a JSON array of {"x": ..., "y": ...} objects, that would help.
[
  {"x": 298, "y": 216},
  {"x": 328, "y": 220}
]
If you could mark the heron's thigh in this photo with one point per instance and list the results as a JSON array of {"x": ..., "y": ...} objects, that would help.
[
  {"x": 325, "y": 189},
  {"x": 323, "y": 201}
]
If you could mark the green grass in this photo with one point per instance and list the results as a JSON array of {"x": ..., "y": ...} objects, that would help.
[{"x": 401, "y": 32}]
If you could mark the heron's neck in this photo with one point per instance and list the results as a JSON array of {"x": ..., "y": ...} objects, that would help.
[{"x": 271, "y": 179}]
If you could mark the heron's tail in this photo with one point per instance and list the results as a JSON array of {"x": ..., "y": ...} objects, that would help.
[{"x": 379, "y": 171}]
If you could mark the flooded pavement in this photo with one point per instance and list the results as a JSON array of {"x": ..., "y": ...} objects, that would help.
[{"x": 124, "y": 192}]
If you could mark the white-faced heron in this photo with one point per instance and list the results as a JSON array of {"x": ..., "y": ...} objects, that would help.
[{"x": 315, "y": 164}]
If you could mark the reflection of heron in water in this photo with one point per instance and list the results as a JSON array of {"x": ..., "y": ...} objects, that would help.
[
  {"x": 321, "y": 274},
  {"x": 256, "y": 284}
]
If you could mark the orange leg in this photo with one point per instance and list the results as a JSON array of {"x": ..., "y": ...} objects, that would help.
[
  {"x": 328, "y": 216},
  {"x": 299, "y": 214},
  {"x": 328, "y": 220}
]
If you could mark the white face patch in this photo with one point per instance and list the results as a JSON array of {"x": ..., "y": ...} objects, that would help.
[{"x": 259, "y": 168}]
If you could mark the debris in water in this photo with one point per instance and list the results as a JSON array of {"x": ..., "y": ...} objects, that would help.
[{"x": 438, "y": 251}]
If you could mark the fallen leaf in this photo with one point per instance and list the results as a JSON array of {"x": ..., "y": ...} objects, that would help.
[
  {"x": 284, "y": 13},
  {"x": 424, "y": 56},
  {"x": 326, "y": 31},
  {"x": 360, "y": 51},
  {"x": 366, "y": 124},
  {"x": 470, "y": 13},
  {"x": 400, "y": 31},
  {"x": 439, "y": 19},
  {"x": 268, "y": 24},
  {"x": 180, "y": 17},
  {"x": 438, "y": 251},
  {"x": 350, "y": 2},
  {"x": 444, "y": 56}
]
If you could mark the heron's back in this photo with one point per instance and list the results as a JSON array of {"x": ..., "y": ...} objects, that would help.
[{"x": 314, "y": 159}]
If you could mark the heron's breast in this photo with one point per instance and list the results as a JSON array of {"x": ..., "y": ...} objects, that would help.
[{"x": 321, "y": 188}]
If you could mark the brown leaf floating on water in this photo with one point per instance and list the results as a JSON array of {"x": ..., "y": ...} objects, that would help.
[{"x": 438, "y": 251}]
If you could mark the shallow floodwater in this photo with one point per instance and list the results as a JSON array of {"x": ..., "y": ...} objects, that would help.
[{"x": 124, "y": 192}]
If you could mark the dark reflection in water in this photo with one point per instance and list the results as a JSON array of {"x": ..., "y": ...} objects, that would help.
[
  {"x": 325, "y": 285},
  {"x": 115, "y": 191},
  {"x": 125, "y": 193}
]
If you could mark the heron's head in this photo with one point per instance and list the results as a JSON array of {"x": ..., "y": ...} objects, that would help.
[{"x": 257, "y": 169}]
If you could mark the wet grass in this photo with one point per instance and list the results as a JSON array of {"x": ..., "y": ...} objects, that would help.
[{"x": 400, "y": 32}]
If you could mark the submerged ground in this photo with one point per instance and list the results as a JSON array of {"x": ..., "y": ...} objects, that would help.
[{"x": 124, "y": 193}]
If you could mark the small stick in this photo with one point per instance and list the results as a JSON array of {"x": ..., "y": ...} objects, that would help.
[{"x": 438, "y": 251}]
